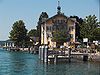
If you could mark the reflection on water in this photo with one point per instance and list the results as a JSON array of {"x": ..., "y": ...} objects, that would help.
[{"x": 21, "y": 63}]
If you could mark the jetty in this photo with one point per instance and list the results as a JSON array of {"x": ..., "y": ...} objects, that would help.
[{"x": 46, "y": 55}]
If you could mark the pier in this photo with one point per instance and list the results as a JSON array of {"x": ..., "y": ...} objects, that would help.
[{"x": 47, "y": 55}]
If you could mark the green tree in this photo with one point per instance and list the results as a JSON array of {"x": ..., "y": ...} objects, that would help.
[
  {"x": 96, "y": 34},
  {"x": 88, "y": 26},
  {"x": 18, "y": 33},
  {"x": 60, "y": 36},
  {"x": 33, "y": 33}
]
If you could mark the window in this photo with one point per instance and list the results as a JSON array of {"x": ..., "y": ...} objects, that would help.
[
  {"x": 71, "y": 35},
  {"x": 71, "y": 28},
  {"x": 49, "y": 28}
]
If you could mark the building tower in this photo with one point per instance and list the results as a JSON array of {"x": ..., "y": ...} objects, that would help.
[{"x": 59, "y": 8}]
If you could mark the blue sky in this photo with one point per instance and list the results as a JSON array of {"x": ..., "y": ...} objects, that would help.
[{"x": 29, "y": 11}]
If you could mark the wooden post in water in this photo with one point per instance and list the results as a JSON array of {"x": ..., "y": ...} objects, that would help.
[
  {"x": 55, "y": 59},
  {"x": 69, "y": 55},
  {"x": 42, "y": 53},
  {"x": 45, "y": 54},
  {"x": 85, "y": 57}
]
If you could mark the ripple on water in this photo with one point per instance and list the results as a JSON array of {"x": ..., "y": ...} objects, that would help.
[{"x": 22, "y": 63}]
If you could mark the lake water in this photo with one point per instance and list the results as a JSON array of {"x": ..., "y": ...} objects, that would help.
[{"x": 23, "y": 63}]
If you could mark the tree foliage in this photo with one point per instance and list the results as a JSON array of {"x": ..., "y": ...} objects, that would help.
[
  {"x": 88, "y": 26},
  {"x": 18, "y": 33},
  {"x": 79, "y": 20},
  {"x": 33, "y": 33},
  {"x": 60, "y": 36},
  {"x": 96, "y": 34}
]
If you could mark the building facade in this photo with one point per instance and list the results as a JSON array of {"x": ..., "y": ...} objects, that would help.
[{"x": 59, "y": 22}]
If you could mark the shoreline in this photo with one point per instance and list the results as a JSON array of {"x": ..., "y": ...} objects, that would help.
[{"x": 93, "y": 57}]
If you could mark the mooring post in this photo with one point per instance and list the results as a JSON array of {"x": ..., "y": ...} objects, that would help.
[
  {"x": 42, "y": 53},
  {"x": 29, "y": 49},
  {"x": 69, "y": 55},
  {"x": 55, "y": 59},
  {"x": 85, "y": 57},
  {"x": 46, "y": 54}
]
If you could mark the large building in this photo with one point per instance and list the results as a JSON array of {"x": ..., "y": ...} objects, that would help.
[{"x": 46, "y": 27}]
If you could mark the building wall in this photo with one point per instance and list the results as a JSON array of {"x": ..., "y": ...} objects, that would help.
[{"x": 46, "y": 30}]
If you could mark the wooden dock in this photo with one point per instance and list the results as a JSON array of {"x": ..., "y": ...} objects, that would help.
[{"x": 47, "y": 55}]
